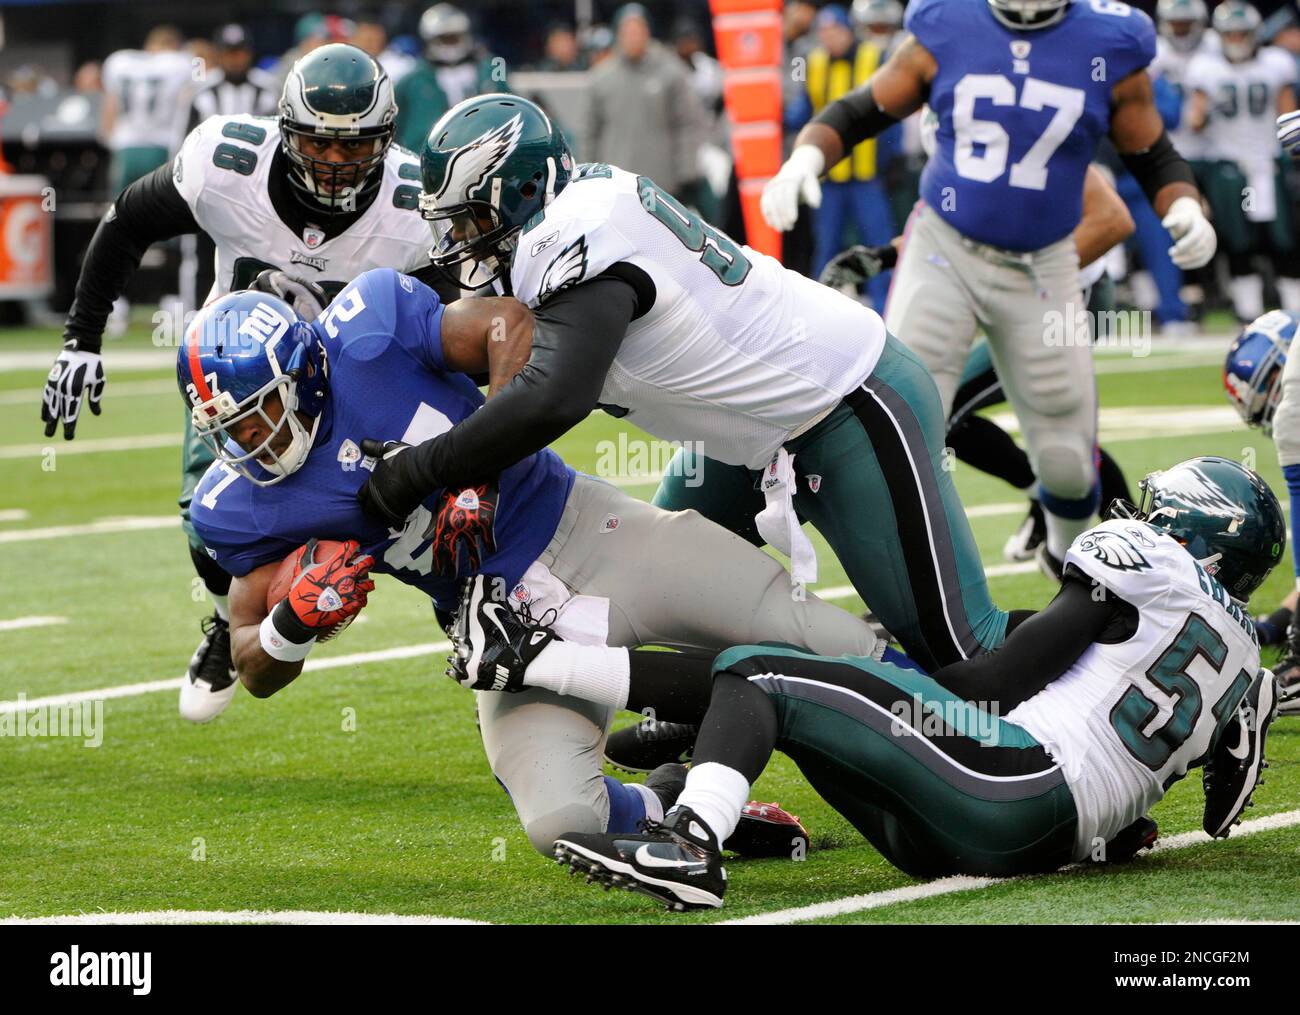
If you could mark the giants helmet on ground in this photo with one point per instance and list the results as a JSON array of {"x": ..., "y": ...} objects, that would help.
[
  {"x": 336, "y": 95},
  {"x": 1225, "y": 515},
  {"x": 240, "y": 352},
  {"x": 1252, "y": 373},
  {"x": 488, "y": 166}
]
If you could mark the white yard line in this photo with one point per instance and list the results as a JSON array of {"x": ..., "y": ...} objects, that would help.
[
  {"x": 91, "y": 446},
  {"x": 18, "y": 623},
  {"x": 148, "y": 687},
  {"x": 127, "y": 389},
  {"x": 947, "y": 886},
  {"x": 14, "y": 515},
  {"x": 304, "y": 917},
  {"x": 115, "y": 360},
  {"x": 102, "y": 526}
]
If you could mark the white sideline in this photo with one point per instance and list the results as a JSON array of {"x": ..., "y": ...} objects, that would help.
[
  {"x": 127, "y": 389},
  {"x": 18, "y": 623},
  {"x": 303, "y": 917},
  {"x": 129, "y": 523},
  {"x": 147, "y": 687},
  {"x": 947, "y": 886},
  {"x": 91, "y": 446},
  {"x": 14, "y": 515}
]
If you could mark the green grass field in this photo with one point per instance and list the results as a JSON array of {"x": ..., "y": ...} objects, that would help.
[{"x": 363, "y": 787}]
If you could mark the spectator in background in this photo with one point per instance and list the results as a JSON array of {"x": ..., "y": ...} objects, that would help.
[
  {"x": 370, "y": 36},
  {"x": 454, "y": 67},
  {"x": 142, "y": 116},
  {"x": 311, "y": 31},
  {"x": 705, "y": 75},
  {"x": 853, "y": 192},
  {"x": 401, "y": 56},
  {"x": 597, "y": 44},
  {"x": 89, "y": 78},
  {"x": 561, "y": 51},
  {"x": 644, "y": 116}
]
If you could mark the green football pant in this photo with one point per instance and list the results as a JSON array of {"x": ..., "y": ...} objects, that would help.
[
  {"x": 195, "y": 459},
  {"x": 938, "y": 785},
  {"x": 129, "y": 164},
  {"x": 872, "y": 480}
]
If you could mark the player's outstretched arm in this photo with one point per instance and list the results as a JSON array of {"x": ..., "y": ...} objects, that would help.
[
  {"x": 149, "y": 210},
  {"x": 490, "y": 336},
  {"x": 1166, "y": 178},
  {"x": 1105, "y": 221},
  {"x": 895, "y": 91},
  {"x": 259, "y": 673}
]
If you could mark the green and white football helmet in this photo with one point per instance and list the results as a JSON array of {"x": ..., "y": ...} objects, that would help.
[
  {"x": 488, "y": 166},
  {"x": 336, "y": 100},
  {"x": 1182, "y": 23},
  {"x": 1237, "y": 23},
  {"x": 1224, "y": 515}
]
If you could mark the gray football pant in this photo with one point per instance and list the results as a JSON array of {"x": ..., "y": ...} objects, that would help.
[
  {"x": 671, "y": 578},
  {"x": 946, "y": 289}
]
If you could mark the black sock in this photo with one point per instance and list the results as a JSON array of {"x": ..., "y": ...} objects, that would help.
[
  {"x": 740, "y": 728},
  {"x": 985, "y": 445},
  {"x": 671, "y": 686},
  {"x": 1113, "y": 484}
]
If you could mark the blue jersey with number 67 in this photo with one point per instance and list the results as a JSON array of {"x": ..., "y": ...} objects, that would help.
[
  {"x": 387, "y": 381},
  {"x": 1020, "y": 113}
]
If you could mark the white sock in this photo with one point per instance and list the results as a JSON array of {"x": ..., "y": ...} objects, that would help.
[
  {"x": 1288, "y": 291},
  {"x": 717, "y": 794},
  {"x": 1247, "y": 296},
  {"x": 221, "y": 604},
  {"x": 654, "y": 807},
  {"x": 591, "y": 672},
  {"x": 1061, "y": 532}
]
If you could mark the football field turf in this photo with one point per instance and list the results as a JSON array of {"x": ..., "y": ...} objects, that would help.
[{"x": 362, "y": 787}]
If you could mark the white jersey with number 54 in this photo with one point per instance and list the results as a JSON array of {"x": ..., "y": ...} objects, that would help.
[
  {"x": 735, "y": 352},
  {"x": 1128, "y": 719}
]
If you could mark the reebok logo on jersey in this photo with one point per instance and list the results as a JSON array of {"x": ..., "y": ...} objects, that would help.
[{"x": 543, "y": 243}]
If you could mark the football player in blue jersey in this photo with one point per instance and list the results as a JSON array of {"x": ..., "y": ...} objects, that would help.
[
  {"x": 1024, "y": 90},
  {"x": 297, "y": 415}
]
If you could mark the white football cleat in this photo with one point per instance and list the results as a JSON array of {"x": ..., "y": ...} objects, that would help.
[{"x": 212, "y": 680}]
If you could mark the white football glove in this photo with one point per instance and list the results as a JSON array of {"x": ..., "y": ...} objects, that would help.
[
  {"x": 75, "y": 374},
  {"x": 1288, "y": 133},
  {"x": 796, "y": 179},
  {"x": 1194, "y": 239},
  {"x": 306, "y": 297}
]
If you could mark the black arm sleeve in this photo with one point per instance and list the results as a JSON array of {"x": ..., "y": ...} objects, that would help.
[
  {"x": 855, "y": 117},
  {"x": 576, "y": 335},
  {"x": 1157, "y": 166},
  {"x": 149, "y": 210},
  {"x": 1042, "y": 647}
]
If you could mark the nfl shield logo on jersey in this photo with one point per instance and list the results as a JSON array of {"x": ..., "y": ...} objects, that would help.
[{"x": 313, "y": 237}]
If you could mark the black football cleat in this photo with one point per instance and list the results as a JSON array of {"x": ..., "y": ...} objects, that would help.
[
  {"x": 1237, "y": 761},
  {"x": 1048, "y": 563},
  {"x": 491, "y": 644},
  {"x": 677, "y": 862},
  {"x": 1287, "y": 673},
  {"x": 1029, "y": 535},
  {"x": 649, "y": 744},
  {"x": 212, "y": 680},
  {"x": 768, "y": 830}
]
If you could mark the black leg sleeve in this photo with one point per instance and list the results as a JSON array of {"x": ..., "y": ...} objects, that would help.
[
  {"x": 740, "y": 728},
  {"x": 214, "y": 578},
  {"x": 671, "y": 686},
  {"x": 985, "y": 445},
  {"x": 1114, "y": 486}
]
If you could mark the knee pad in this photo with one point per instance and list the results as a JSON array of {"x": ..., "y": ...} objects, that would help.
[
  {"x": 1066, "y": 469},
  {"x": 543, "y": 830}
]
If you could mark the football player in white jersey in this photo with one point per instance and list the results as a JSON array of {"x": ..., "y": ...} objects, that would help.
[
  {"x": 318, "y": 191},
  {"x": 1237, "y": 96},
  {"x": 650, "y": 313},
  {"x": 1182, "y": 36},
  {"x": 144, "y": 94},
  {"x": 1144, "y": 666}
]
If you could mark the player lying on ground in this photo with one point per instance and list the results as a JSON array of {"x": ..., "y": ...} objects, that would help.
[
  {"x": 319, "y": 186},
  {"x": 1021, "y": 110},
  {"x": 294, "y": 410},
  {"x": 1144, "y": 665},
  {"x": 975, "y": 439},
  {"x": 1262, "y": 382},
  {"x": 653, "y": 314}
]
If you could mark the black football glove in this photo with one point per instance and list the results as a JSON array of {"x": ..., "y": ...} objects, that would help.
[
  {"x": 75, "y": 376},
  {"x": 850, "y": 268},
  {"x": 462, "y": 530},
  {"x": 305, "y": 296},
  {"x": 395, "y": 487}
]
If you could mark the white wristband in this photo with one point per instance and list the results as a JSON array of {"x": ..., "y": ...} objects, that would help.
[{"x": 277, "y": 646}]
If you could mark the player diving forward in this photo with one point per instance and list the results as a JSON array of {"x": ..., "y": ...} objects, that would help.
[
  {"x": 318, "y": 191},
  {"x": 1144, "y": 666},
  {"x": 288, "y": 408},
  {"x": 652, "y": 314},
  {"x": 1023, "y": 89}
]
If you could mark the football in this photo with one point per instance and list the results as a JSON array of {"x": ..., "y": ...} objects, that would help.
[{"x": 287, "y": 573}]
